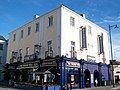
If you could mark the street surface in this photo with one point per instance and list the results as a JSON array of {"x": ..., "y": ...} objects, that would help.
[
  {"x": 7, "y": 88},
  {"x": 102, "y": 88},
  {"x": 117, "y": 87}
]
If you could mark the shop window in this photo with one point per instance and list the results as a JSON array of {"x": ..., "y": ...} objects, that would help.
[{"x": 1, "y": 46}]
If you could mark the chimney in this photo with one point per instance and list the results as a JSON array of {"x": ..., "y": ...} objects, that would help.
[
  {"x": 83, "y": 15},
  {"x": 35, "y": 16}
]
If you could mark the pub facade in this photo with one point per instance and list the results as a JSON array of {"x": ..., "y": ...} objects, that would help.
[{"x": 60, "y": 47}]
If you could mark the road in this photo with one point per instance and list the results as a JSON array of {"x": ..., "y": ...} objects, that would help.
[{"x": 5, "y": 87}]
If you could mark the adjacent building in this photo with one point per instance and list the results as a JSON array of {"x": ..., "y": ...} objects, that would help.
[
  {"x": 3, "y": 52},
  {"x": 60, "y": 32}
]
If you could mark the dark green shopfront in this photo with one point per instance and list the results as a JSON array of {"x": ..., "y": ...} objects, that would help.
[{"x": 58, "y": 73}]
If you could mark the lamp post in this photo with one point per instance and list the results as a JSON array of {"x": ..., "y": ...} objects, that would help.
[{"x": 113, "y": 26}]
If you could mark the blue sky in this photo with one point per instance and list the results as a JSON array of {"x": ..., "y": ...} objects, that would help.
[{"x": 14, "y": 13}]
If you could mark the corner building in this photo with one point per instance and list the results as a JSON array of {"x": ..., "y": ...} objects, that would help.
[{"x": 37, "y": 47}]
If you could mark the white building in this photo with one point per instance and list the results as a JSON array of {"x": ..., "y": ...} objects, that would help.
[{"x": 59, "y": 32}]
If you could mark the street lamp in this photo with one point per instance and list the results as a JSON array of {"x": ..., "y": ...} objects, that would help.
[{"x": 113, "y": 26}]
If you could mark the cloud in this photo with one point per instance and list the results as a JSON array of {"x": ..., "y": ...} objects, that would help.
[{"x": 108, "y": 19}]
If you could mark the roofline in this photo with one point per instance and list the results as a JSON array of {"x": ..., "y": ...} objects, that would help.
[
  {"x": 35, "y": 19},
  {"x": 61, "y": 6}
]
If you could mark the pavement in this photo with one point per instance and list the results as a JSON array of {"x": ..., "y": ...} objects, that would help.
[
  {"x": 117, "y": 87},
  {"x": 5, "y": 86}
]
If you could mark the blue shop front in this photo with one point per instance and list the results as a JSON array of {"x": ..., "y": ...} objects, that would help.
[
  {"x": 83, "y": 74},
  {"x": 61, "y": 72}
]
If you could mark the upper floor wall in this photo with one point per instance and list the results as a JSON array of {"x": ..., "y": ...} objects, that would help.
[
  {"x": 90, "y": 41},
  {"x": 60, "y": 32}
]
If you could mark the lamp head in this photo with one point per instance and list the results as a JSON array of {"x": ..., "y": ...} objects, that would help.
[{"x": 116, "y": 26}]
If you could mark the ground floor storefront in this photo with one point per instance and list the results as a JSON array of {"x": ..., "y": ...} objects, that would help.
[{"x": 64, "y": 72}]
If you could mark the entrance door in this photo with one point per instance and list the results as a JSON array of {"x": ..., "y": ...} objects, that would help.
[
  {"x": 73, "y": 80},
  {"x": 87, "y": 78},
  {"x": 96, "y": 78},
  {"x": 116, "y": 79}
]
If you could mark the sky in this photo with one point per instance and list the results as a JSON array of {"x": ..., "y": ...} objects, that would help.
[{"x": 15, "y": 13}]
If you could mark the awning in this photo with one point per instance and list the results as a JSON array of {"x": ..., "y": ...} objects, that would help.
[{"x": 43, "y": 70}]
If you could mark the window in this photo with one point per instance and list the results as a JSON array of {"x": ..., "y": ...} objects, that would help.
[
  {"x": 89, "y": 29},
  {"x": 14, "y": 37},
  {"x": 37, "y": 27},
  {"x": 73, "y": 53},
  {"x": 49, "y": 47},
  {"x": 100, "y": 43},
  {"x": 72, "y": 21},
  {"x": 22, "y": 33},
  {"x": 50, "y": 23},
  {"x": 27, "y": 51},
  {"x": 84, "y": 41},
  {"x": 90, "y": 47},
  {"x": 1, "y": 46},
  {"x": 14, "y": 55},
  {"x": 29, "y": 30},
  {"x": 20, "y": 52}
]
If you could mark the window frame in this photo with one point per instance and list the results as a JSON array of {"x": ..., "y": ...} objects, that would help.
[
  {"x": 37, "y": 27},
  {"x": 72, "y": 21},
  {"x": 22, "y": 32},
  {"x": 50, "y": 21},
  {"x": 1, "y": 46},
  {"x": 29, "y": 30},
  {"x": 14, "y": 37}
]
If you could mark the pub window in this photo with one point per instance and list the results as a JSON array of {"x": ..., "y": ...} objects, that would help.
[
  {"x": 14, "y": 37},
  {"x": 72, "y": 21},
  {"x": 84, "y": 41},
  {"x": 1, "y": 46},
  {"x": 22, "y": 33},
  {"x": 50, "y": 21},
  {"x": 100, "y": 44},
  {"x": 37, "y": 27},
  {"x": 27, "y": 51},
  {"x": 29, "y": 30}
]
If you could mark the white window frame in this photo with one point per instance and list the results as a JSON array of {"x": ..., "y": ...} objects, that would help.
[
  {"x": 50, "y": 21},
  {"x": 72, "y": 21}
]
